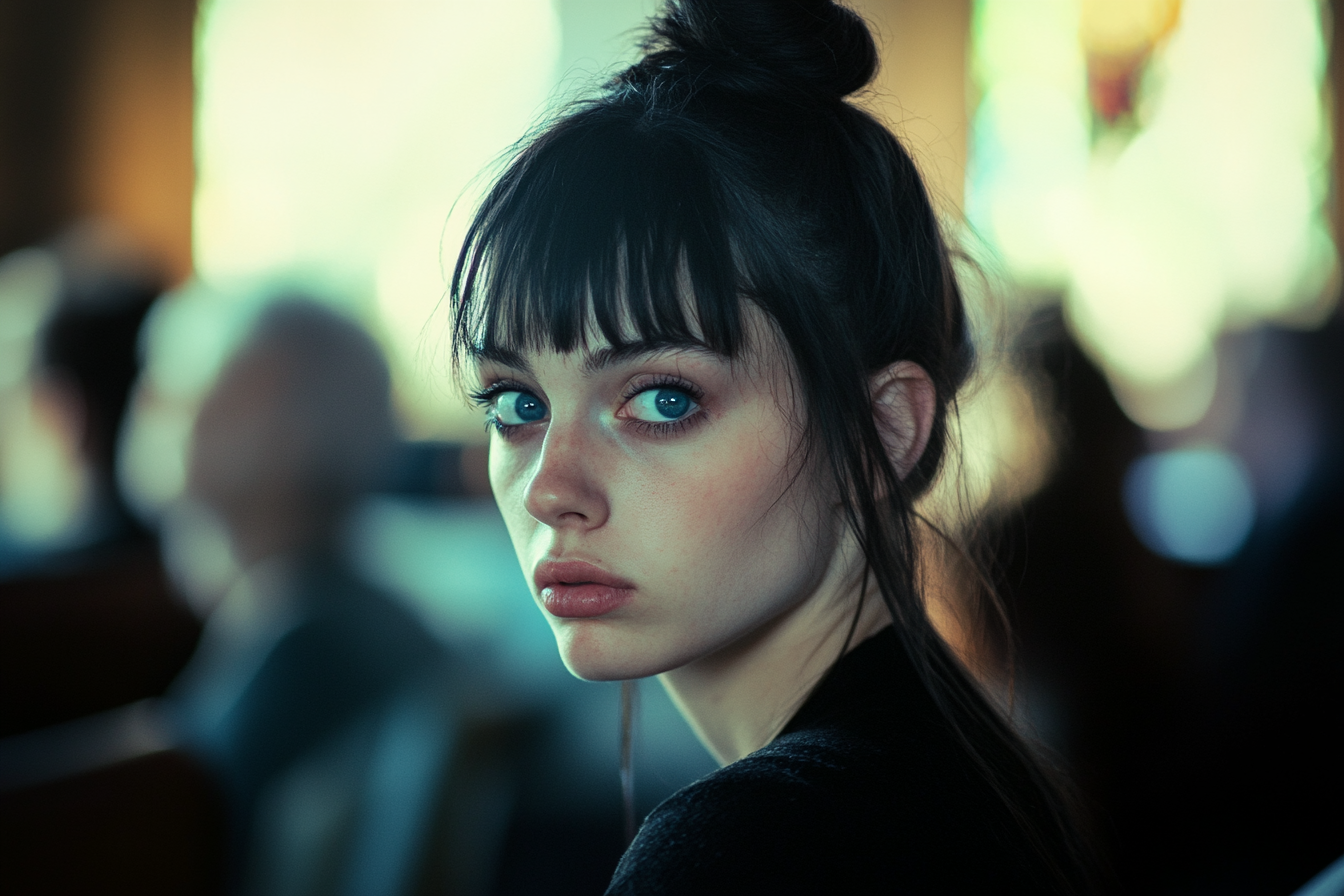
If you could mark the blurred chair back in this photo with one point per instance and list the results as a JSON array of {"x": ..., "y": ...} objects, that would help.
[
  {"x": 353, "y": 817},
  {"x": 413, "y": 797}
]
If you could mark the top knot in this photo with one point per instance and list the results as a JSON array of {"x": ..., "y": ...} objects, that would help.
[{"x": 779, "y": 48}]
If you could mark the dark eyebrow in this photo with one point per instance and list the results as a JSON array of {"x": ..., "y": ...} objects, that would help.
[
  {"x": 502, "y": 356},
  {"x": 626, "y": 351},
  {"x": 597, "y": 360}
]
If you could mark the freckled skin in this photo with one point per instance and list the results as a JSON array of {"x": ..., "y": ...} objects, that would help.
[{"x": 708, "y": 521}]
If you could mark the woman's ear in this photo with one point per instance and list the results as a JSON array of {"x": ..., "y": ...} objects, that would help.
[{"x": 904, "y": 401}]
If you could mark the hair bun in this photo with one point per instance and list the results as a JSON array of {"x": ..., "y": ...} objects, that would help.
[{"x": 765, "y": 47}]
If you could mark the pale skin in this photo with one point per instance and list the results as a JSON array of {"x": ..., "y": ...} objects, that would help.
[{"x": 679, "y": 471}]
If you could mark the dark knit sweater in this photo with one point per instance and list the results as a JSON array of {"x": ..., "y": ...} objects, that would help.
[{"x": 866, "y": 790}]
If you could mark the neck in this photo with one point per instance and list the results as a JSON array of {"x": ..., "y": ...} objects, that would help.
[{"x": 738, "y": 699}]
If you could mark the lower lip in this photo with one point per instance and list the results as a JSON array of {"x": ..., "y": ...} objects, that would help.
[{"x": 584, "y": 601}]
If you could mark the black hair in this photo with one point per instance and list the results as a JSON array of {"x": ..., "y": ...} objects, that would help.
[
  {"x": 92, "y": 342},
  {"x": 726, "y": 167}
]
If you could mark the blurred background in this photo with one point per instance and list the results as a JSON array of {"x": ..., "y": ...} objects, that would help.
[{"x": 261, "y": 628}]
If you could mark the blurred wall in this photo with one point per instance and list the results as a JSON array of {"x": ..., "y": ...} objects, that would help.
[
  {"x": 96, "y": 121},
  {"x": 921, "y": 86}
]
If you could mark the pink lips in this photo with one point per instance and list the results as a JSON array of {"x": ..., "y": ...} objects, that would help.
[{"x": 573, "y": 589}]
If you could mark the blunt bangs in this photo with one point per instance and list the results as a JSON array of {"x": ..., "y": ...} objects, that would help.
[{"x": 601, "y": 222}]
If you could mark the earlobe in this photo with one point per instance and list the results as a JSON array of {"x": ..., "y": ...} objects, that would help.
[{"x": 904, "y": 401}]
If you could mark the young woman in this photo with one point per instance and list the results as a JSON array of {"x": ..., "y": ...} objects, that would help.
[{"x": 716, "y": 332}]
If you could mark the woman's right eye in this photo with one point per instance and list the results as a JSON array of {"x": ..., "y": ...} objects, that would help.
[{"x": 515, "y": 408}]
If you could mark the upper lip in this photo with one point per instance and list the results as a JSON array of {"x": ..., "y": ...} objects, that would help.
[{"x": 574, "y": 572}]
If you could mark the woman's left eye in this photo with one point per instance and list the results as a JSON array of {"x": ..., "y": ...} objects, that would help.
[{"x": 661, "y": 405}]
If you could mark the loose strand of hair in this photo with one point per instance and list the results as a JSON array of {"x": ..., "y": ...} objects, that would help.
[
  {"x": 629, "y": 712},
  {"x": 888, "y": 542}
]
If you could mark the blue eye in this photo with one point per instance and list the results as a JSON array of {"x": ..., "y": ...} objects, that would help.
[
  {"x": 661, "y": 405},
  {"x": 517, "y": 408}
]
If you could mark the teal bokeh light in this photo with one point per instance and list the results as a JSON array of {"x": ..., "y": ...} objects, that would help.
[{"x": 1195, "y": 505}]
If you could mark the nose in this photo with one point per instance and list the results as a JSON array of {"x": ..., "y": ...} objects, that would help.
[{"x": 566, "y": 489}]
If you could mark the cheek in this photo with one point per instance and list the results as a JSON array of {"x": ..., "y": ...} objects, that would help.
[
  {"x": 497, "y": 470},
  {"x": 721, "y": 514},
  {"x": 507, "y": 472}
]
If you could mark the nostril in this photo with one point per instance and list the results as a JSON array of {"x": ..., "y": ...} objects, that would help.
[{"x": 566, "y": 488}]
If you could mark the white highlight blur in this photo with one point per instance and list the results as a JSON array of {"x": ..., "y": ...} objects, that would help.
[
  {"x": 334, "y": 138},
  {"x": 1211, "y": 217},
  {"x": 332, "y": 142}
]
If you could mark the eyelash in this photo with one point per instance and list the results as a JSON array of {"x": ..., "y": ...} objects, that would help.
[
  {"x": 485, "y": 396},
  {"x": 671, "y": 427}
]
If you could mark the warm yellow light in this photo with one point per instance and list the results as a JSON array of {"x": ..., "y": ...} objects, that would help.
[{"x": 1122, "y": 27}]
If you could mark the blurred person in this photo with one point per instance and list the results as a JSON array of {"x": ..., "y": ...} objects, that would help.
[
  {"x": 717, "y": 337},
  {"x": 91, "y": 624},
  {"x": 90, "y": 800},
  {"x": 1200, "y": 704},
  {"x": 1252, "y": 754},
  {"x": 300, "y": 653}
]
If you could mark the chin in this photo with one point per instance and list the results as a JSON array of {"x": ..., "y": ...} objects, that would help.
[{"x": 594, "y": 652}]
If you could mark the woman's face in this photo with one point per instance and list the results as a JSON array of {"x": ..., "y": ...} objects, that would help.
[{"x": 657, "y": 498}]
